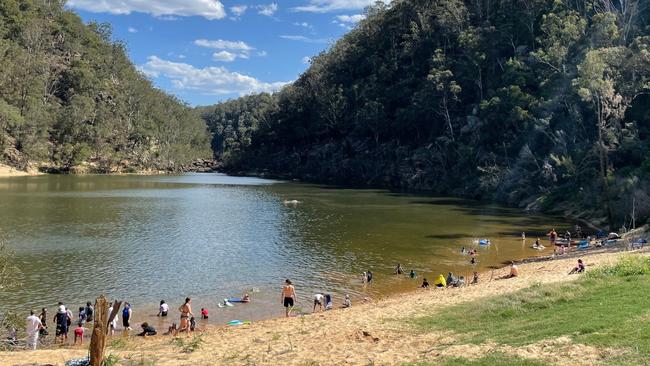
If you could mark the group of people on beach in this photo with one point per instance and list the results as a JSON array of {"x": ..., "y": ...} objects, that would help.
[
  {"x": 37, "y": 325},
  {"x": 324, "y": 301}
]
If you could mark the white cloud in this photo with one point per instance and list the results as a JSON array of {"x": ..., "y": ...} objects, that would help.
[
  {"x": 238, "y": 10},
  {"x": 132, "y": 30},
  {"x": 220, "y": 44},
  {"x": 348, "y": 21},
  {"x": 350, "y": 18},
  {"x": 210, "y": 9},
  {"x": 208, "y": 80},
  {"x": 303, "y": 24},
  {"x": 324, "y": 6},
  {"x": 168, "y": 18},
  {"x": 305, "y": 39},
  {"x": 267, "y": 10},
  {"x": 306, "y": 60},
  {"x": 230, "y": 50},
  {"x": 262, "y": 54},
  {"x": 224, "y": 56},
  {"x": 181, "y": 56}
]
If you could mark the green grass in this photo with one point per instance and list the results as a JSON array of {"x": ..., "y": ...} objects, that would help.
[
  {"x": 606, "y": 308},
  {"x": 189, "y": 345},
  {"x": 491, "y": 359},
  {"x": 111, "y": 360},
  {"x": 118, "y": 344}
]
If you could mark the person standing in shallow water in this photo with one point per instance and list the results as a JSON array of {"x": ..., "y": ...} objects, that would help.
[
  {"x": 61, "y": 320},
  {"x": 163, "y": 309},
  {"x": 288, "y": 297},
  {"x": 186, "y": 312},
  {"x": 33, "y": 329},
  {"x": 127, "y": 313},
  {"x": 90, "y": 312},
  {"x": 43, "y": 319},
  {"x": 113, "y": 323}
]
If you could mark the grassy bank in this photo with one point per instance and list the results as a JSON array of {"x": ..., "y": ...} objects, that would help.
[
  {"x": 492, "y": 359},
  {"x": 607, "y": 309}
]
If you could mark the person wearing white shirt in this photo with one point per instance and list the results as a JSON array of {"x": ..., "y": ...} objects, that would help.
[
  {"x": 33, "y": 327},
  {"x": 164, "y": 308},
  {"x": 318, "y": 301}
]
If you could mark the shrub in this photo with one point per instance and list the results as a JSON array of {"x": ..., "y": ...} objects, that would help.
[{"x": 627, "y": 266}]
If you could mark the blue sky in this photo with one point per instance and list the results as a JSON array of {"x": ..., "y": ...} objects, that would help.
[{"x": 206, "y": 51}]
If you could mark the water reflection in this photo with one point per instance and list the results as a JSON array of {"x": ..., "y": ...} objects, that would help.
[{"x": 210, "y": 236}]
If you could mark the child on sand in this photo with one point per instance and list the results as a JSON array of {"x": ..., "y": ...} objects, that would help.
[
  {"x": 440, "y": 282},
  {"x": 172, "y": 330},
  {"x": 578, "y": 268},
  {"x": 329, "y": 305},
  {"x": 514, "y": 270},
  {"x": 452, "y": 281},
  {"x": 204, "y": 313},
  {"x": 346, "y": 303},
  {"x": 147, "y": 330},
  {"x": 79, "y": 333},
  {"x": 425, "y": 283}
]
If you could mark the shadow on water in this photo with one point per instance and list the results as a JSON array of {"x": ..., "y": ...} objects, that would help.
[
  {"x": 491, "y": 211},
  {"x": 446, "y": 236}
]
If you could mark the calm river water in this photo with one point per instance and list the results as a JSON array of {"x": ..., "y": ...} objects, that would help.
[{"x": 210, "y": 236}]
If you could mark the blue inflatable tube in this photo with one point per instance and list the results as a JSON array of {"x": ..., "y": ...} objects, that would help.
[{"x": 237, "y": 299}]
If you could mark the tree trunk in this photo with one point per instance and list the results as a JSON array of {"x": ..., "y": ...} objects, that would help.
[
  {"x": 98, "y": 340},
  {"x": 603, "y": 162}
]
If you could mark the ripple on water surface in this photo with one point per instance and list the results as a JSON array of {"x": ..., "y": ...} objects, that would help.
[{"x": 210, "y": 236}]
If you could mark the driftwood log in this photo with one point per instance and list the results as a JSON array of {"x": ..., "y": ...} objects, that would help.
[{"x": 100, "y": 329}]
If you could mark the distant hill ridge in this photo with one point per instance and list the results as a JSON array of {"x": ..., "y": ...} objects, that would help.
[{"x": 70, "y": 99}]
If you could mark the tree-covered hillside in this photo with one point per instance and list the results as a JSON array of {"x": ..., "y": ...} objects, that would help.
[
  {"x": 529, "y": 102},
  {"x": 233, "y": 122},
  {"x": 70, "y": 98}
]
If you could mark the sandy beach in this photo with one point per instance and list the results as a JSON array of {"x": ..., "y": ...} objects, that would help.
[
  {"x": 372, "y": 333},
  {"x": 7, "y": 171}
]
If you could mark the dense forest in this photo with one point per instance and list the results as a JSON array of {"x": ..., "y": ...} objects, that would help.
[
  {"x": 70, "y": 99},
  {"x": 538, "y": 103}
]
